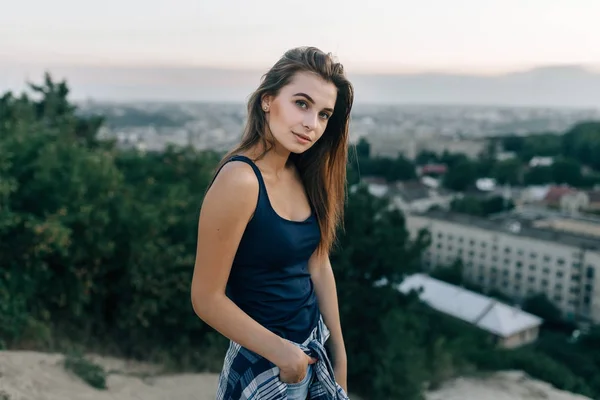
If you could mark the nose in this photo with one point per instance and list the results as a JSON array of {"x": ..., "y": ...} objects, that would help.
[{"x": 310, "y": 121}]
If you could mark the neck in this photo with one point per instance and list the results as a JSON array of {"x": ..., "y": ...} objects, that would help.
[{"x": 275, "y": 160}]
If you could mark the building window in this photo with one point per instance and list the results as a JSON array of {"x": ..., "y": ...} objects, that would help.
[
  {"x": 590, "y": 272},
  {"x": 558, "y": 298}
]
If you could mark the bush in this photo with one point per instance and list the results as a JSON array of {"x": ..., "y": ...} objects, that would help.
[{"x": 85, "y": 369}]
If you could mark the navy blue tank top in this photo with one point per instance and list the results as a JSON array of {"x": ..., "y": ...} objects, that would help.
[{"x": 269, "y": 278}]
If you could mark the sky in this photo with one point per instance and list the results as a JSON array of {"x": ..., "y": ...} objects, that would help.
[{"x": 474, "y": 36}]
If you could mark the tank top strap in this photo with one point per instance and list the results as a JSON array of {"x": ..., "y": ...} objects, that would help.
[
  {"x": 239, "y": 157},
  {"x": 261, "y": 183}
]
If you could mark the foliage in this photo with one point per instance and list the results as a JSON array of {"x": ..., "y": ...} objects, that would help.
[
  {"x": 88, "y": 371},
  {"x": 541, "y": 306},
  {"x": 362, "y": 163},
  {"x": 481, "y": 207}
]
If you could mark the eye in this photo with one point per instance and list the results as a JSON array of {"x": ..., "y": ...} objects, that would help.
[
  {"x": 301, "y": 103},
  {"x": 325, "y": 116}
]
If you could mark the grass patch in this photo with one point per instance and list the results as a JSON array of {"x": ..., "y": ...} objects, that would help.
[{"x": 91, "y": 373}]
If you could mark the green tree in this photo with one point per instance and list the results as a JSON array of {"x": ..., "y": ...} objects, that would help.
[
  {"x": 461, "y": 175},
  {"x": 540, "y": 305},
  {"x": 452, "y": 274},
  {"x": 566, "y": 171},
  {"x": 363, "y": 149},
  {"x": 538, "y": 176},
  {"x": 582, "y": 142},
  {"x": 507, "y": 171},
  {"x": 426, "y": 157},
  {"x": 374, "y": 238}
]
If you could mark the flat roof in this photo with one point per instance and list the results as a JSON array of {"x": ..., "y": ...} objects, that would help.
[
  {"x": 513, "y": 225},
  {"x": 484, "y": 312}
]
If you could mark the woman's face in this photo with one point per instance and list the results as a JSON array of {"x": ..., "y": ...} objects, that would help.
[{"x": 298, "y": 115}]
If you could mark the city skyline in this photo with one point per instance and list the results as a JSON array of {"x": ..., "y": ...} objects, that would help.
[{"x": 464, "y": 36}]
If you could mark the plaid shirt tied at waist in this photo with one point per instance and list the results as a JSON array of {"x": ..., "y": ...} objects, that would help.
[{"x": 249, "y": 376}]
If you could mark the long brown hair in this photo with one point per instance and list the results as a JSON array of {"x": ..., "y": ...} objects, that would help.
[{"x": 322, "y": 168}]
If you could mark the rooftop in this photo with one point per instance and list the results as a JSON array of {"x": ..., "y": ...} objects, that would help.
[
  {"x": 412, "y": 191},
  {"x": 517, "y": 225},
  {"x": 484, "y": 312}
]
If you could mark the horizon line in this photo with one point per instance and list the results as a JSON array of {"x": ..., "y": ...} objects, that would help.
[{"x": 359, "y": 70}]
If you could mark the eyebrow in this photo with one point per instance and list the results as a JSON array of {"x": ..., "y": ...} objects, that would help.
[{"x": 312, "y": 101}]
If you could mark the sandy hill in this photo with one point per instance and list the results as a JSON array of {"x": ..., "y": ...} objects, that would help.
[{"x": 39, "y": 376}]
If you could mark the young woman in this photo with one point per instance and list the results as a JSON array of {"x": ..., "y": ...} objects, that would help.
[{"x": 262, "y": 275}]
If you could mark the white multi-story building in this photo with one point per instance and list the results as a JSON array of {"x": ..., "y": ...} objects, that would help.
[{"x": 518, "y": 259}]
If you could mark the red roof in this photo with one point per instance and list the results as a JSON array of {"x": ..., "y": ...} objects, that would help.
[
  {"x": 434, "y": 169},
  {"x": 555, "y": 193}
]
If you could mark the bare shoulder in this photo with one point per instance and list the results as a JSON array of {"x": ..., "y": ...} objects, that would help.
[{"x": 235, "y": 187}]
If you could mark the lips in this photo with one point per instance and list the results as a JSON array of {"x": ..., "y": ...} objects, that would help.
[{"x": 303, "y": 136}]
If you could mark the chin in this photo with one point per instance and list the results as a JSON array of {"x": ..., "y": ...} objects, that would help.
[{"x": 298, "y": 149}]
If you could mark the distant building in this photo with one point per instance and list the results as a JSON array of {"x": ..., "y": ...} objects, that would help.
[
  {"x": 509, "y": 326},
  {"x": 409, "y": 196},
  {"x": 563, "y": 197},
  {"x": 436, "y": 169},
  {"x": 521, "y": 255},
  {"x": 574, "y": 202},
  {"x": 533, "y": 194},
  {"x": 505, "y": 155},
  {"x": 415, "y": 196},
  {"x": 376, "y": 186},
  {"x": 555, "y": 194},
  {"x": 593, "y": 200},
  {"x": 541, "y": 162}
]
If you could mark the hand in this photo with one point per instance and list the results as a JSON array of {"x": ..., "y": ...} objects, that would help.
[{"x": 293, "y": 364}]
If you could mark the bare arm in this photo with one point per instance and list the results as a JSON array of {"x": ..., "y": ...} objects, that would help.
[
  {"x": 226, "y": 210},
  {"x": 324, "y": 281}
]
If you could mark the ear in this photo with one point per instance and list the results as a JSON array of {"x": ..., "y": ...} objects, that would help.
[{"x": 265, "y": 101}]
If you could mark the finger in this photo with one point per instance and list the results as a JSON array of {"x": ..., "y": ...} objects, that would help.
[{"x": 312, "y": 360}]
